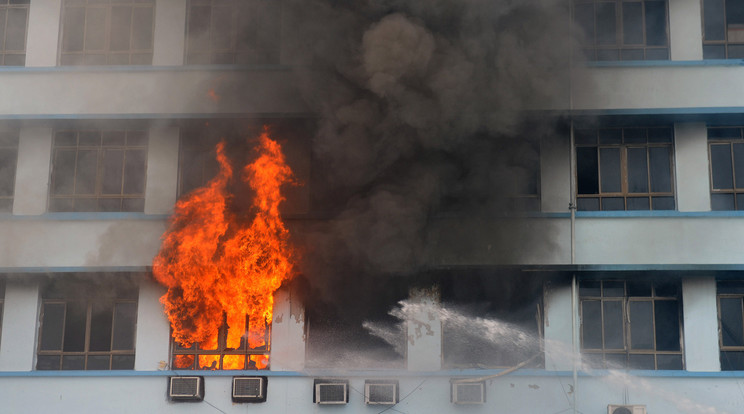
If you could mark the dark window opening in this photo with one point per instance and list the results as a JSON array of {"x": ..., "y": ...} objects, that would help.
[
  {"x": 622, "y": 30},
  {"x": 632, "y": 324},
  {"x": 723, "y": 29},
  {"x": 624, "y": 169},
  {"x": 87, "y": 323},
  {"x": 8, "y": 160},
  {"x": 726, "y": 151},
  {"x": 731, "y": 324}
]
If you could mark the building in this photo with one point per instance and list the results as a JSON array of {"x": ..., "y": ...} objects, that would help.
[{"x": 630, "y": 251}]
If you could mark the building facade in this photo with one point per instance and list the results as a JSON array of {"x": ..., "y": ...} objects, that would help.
[{"x": 630, "y": 256}]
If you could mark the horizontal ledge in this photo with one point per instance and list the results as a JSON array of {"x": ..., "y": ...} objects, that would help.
[
  {"x": 75, "y": 269},
  {"x": 158, "y": 116},
  {"x": 475, "y": 373},
  {"x": 144, "y": 68},
  {"x": 83, "y": 216},
  {"x": 663, "y": 63}
]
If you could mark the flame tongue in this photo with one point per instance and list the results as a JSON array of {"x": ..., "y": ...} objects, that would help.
[{"x": 213, "y": 264}]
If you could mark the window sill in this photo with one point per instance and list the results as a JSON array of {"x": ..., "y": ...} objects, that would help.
[
  {"x": 147, "y": 68},
  {"x": 84, "y": 216},
  {"x": 658, "y": 213},
  {"x": 663, "y": 63}
]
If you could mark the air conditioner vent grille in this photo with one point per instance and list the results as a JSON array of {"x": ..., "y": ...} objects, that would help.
[
  {"x": 381, "y": 392},
  {"x": 249, "y": 389},
  {"x": 331, "y": 391},
  {"x": 186, "y": 388},
  {"x": 626, "y": 409},
  {"x": 468, "y": 392}
]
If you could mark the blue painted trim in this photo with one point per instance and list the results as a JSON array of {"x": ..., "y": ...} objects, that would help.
[
  {"x": 653, "y": 267},
  {"x": 712, "y": 110},
  {"x": 145, "y": 68},
  {"x": 664, "y": 63},
  {"x": 83, "y": 216},
  {"x": 147, "y": 116},
  {"x": 377, "y": 373},
  {"x": 76, "y": 269},
  {"x": 659, "y": 213}
]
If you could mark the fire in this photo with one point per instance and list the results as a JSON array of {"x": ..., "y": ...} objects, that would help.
[{"x": 219, "y": 268}]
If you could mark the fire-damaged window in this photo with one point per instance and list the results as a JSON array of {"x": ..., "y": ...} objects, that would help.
[
  {"x": 87, "y": 323},
  {"x": 625, "y": 169},
  {"x": 13, "y": 28},
  {"x": 726, "y": 149},
  {"x": 623, "y": 29},
  {"x": 731, "y": 324},
  {"x": 8, "y": 160},
  {"x": 632, "y": 324},
  {"x": 107, "y": 32},
  {"x": 98, "y": 170},
  {"x": 233, "y": 32},
  {"x": 219, "y": 356},
  {"x": 491, "y": 319},
  {"x": 723, "y": 29}
]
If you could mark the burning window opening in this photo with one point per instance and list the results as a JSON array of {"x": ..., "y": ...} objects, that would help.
[
  {"x": 208, "y": 355},
  {"x": 222, "y": 263}
]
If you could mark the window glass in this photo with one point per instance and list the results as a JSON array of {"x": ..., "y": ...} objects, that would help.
[
  {"x": 633, "y": 324},
  {"x": 634, "y": 168},
  {"x": 78, "y": 316},
  {"x": 623, "y": 29},
  {"x": 726, "y": 151},
  {"x": 107, "y": 32},
  {"x": 13, "y": 28},
  {"x": 8, "y": 159},
  {"x": 95, "y": 170},
  {"x": 723, "y": 29}
]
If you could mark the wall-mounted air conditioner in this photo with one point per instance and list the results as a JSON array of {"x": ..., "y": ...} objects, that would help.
[
  {"x": 626, "y": 409},
  {"x": 186, "y": 388},
  {"x": 331, "y": 391},
  {"x": 468, "y": 392},
  {"x": 249, "y": 389},
  {"x": 381, "y": 392}
]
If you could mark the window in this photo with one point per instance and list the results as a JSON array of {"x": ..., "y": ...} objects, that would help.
[
  {"x": 731, "y": 324},
  {"x": 8, "y": 159},
  {"x": 631, "y": 324},
  {"x": 87, "y": 325},
  {"x": 233, "y": 32},
  {"x": 726, "y": 149},
  {"x": 218, "y": 356},
  {"x": 723, "y": 29},
  {"x": 107, "y": 32},
  {"x": 13, "y": 25},
  {"x": 2, "y": 303},
  {"x": 624, "y": 169},
  {"x": 95, "y": 170},
  {"x": 623, "y": 30}
]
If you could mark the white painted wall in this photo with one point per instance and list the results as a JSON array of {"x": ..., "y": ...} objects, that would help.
[
  {"x": 162, "y": 170},
  {"x": 170, "y": 33},
  {"x": 32, "y": 171},
  {"x": 20, "y": 316},
  {"x": 685, "y": 30},
  {"x": 43, "y": 32},
  {"x": 700, "y": 324},
  {"x": 691, "y": 167},
  {"x": 287, "y": 333},
  {"x": 559, "y": 354},
  {"x": 555, "y": 174},
  {"x": 152, "y": 346}
]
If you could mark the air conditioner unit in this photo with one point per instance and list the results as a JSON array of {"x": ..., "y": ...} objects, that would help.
[
  {"x": 626, "y": 409},
  {"x": 186, "y": 388},
  {"x": 381, "y": 392},
  {"x": 249, "y": 389},
  {"x": 330, "y": 391},
  {"x": 468, "y": 392}
]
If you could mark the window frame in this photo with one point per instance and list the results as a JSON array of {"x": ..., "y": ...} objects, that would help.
[
  {"x": 725, "y": 42},
  {"x": 4, "y": 53},
  {"x": 86, "y": 353},
  {"x": 619, "y": 45},
  {"x": 222, "y": 351},
  {"x": 626, "y": 301},
  {"x": 259, "y": 51},
  {"x": 731, "y": 142},
  {"x": 101, "y": 149},
  {"x": 106, "y": 53},
  {"x": 623, "y": 147},
  {"x": 736, "y": 293}
]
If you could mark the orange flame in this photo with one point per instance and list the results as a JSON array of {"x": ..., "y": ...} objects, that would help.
[{"x": 213, "y": 264}]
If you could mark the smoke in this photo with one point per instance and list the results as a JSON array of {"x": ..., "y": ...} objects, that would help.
[{"x": 425, "y": 110}]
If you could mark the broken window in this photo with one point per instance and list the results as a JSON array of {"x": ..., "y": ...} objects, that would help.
[
  {"x": 107, "y": 32},
  {"x": 731, "y": 324},
  {"x": 723, "y": 29},
  {"x": 622, "y": 30},
  {"x": 624, "y": 169},
  {"x": 726, "y": 150},
  {"x": 13, "y": 31},
  {"x": 492, "y": 320},
  {"x": 219, "y": 356},
  {"x": 631, "y": 324},
  {"x": 87, "y": 324},
  {"x": 98, "y": 170},
  {"x": 242, "y": 32},
  {"x": 8, "y": 160}
]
